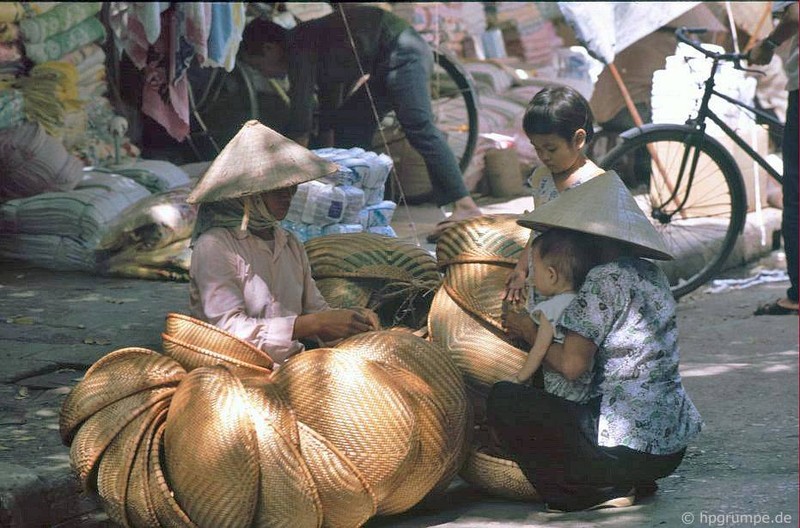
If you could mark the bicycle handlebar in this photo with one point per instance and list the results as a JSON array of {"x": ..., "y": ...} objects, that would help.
[{"x": 736, "y": 58}]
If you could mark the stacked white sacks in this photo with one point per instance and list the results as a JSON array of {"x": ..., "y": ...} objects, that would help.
[
  {"x": 678, "y": 88},
  {"x": 337, "y": 203}
]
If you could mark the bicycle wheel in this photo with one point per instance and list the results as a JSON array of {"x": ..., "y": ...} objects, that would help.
[
  {"x": 699, "y": 212},
  {"x": 455, "y": 109}
]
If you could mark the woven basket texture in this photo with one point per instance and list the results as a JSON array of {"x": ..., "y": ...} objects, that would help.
[
  {"x": 482, "y": 353},
  {"x": 334, "y": 437},
  {"x": 114, "y": 377},
  {"x": 191, "y": 356},
  {"x": 188, "y": 330},
  {"x": 394, "y": 278},
  {"x": 493, "y": 239},
  {"x": 465, "y": 319},
  {"x": 498, "y": 476}
]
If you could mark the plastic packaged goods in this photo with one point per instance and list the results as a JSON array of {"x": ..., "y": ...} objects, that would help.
[
  {"x": 298, "y": 229},
  {"x": 317, "y": 203},
  {"x": 335, "y": 229},
  {"x": 354, "y": 203},
  {"x": 383, "y": 230},
  {"x": 378, "y": 215}
]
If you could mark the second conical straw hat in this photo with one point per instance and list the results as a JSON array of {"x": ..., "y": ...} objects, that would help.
[
  {"x": 258, "y": 160},
  {"x": 602, "y": 206}
]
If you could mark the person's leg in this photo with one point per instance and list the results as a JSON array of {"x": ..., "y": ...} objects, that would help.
[
  {"x": 407, "y": 83},
  {"x": 555, "y": 443},
  {"x": 790, "y": 197}
]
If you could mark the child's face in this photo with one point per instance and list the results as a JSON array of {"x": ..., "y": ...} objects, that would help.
[
  {"x": 545, "y": 278},
  {"x": 558, "y": 154}
]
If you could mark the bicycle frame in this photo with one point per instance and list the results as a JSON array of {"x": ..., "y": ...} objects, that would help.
[{"x": 705, "y": 112}]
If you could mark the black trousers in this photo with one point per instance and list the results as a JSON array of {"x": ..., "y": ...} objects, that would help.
[
  {"x": 790, "y": 194},
  {"x": 554, "y": 441}
]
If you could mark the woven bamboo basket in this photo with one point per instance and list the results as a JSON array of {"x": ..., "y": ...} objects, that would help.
[
  {"x": 334, "y": 437},
  {"x": 205, "y": 338},
  {"x": 396, "y": 279},
  {"x": 466, "y": 320},
  {"x": 498, "y": 476}
]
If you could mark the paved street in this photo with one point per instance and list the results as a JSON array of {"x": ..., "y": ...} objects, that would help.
[{"x": 741, "y": 371}]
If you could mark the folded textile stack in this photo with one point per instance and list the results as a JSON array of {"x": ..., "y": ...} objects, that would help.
[
  {"x": 439, "y": 23},
  {"x": 49, "y": 92},
  {"x": 527, "y": 33},
  {"x": 82, "y": 214},
  {"x": 60, "y": 230},
  {"x": 33, "y": 162},
  {"x": 335, "y": 204},
  {"x": 60, "y": 30}
]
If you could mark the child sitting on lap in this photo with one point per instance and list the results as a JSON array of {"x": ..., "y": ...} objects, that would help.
[{"x": 561, "y": 260}]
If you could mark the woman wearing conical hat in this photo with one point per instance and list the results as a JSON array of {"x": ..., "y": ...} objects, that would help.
[
  {"x": 621, "y": 327},
  {"x": 249, "y": 276}
]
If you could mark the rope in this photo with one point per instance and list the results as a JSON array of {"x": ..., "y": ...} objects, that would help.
[{"x": 380, "y": 129}]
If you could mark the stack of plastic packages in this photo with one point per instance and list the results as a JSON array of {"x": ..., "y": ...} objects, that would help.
[
  {"x": 348, "y": 201},
  {"x": 678, "y": 88}
]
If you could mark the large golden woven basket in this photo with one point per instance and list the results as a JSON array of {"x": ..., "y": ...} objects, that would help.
[
  {"x": 466, "y": 320},
  {"x": 195, "y": 343},
  {"x": 498, "y": 476},
  {"x": 394, "y": 278},
  {"x": 332, "y": 438}
]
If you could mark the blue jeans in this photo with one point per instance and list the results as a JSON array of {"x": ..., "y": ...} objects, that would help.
[
  {"x": 790, "y": 194},
  {"x": 400, "y": 82}
]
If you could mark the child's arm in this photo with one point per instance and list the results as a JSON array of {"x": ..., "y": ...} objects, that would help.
[{"x": 544, "y": 338}]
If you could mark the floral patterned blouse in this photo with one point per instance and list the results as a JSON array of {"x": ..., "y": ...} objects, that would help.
[{"x": 626, "y": 308}]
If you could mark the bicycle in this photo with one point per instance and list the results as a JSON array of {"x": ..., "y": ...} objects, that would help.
[
  {"x": 451, "y": 88},
  {"x": 687, "y": 183}
]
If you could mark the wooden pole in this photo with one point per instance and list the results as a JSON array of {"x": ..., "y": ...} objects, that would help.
[
  {"x": 637, "y": 120},
  {"x": 754, "y": 36}
]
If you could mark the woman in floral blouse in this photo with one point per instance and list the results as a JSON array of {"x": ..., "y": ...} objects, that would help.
[{"x": 636, "y": 427}]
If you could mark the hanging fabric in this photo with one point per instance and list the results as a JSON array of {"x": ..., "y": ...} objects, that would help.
[{"x": 165, "y": 98}]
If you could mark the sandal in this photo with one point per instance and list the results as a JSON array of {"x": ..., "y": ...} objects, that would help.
[{"x": 774, "y": 308}]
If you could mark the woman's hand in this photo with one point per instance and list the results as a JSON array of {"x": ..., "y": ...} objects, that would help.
[
  {"x": 332, "y": 325},
  {"x": 515, "y": 286},
  {"x": 337, "y": 324},
  {"x": 519, "y": 325}
]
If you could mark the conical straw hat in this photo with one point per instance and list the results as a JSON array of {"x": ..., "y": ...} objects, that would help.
[
  {"x": 602, "y": 206},
  {"x": 257, "y": 160}
]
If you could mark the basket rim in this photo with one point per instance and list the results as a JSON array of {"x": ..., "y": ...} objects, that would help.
[
  {"x": 225, "y": 333},
  {"x": 214, "y": 355}
]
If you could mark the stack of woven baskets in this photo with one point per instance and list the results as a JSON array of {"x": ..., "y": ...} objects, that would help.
[
  {"x": 396, "y": 279},
  {"x": 466, "y": 319},
  {"x": 207, "y": 434}
]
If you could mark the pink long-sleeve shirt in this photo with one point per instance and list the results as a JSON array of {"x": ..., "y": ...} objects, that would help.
[{"x": 252, "y": 288}]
